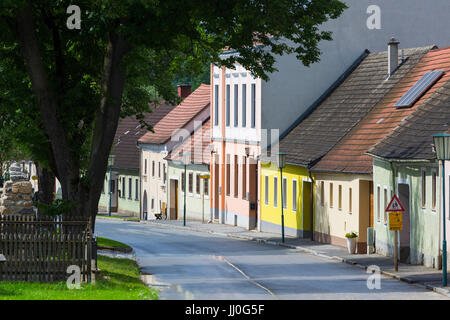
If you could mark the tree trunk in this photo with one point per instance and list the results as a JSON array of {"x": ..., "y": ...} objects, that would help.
[{"x": 83, "y": 190}]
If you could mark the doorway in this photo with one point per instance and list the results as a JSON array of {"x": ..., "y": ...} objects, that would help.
[
  {"x": 405, "y": 233},
  {"x": 144, "y": 206},
  {"x": 114, "y": 196},
  {"x": 216, "y": 188},
  {"x": 306, "y": 209}
]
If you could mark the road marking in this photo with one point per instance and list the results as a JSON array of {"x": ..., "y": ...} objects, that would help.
[{"x": 245, "y": 275}]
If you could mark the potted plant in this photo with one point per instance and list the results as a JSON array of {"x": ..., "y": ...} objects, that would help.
[{"x": 351, "y": 242}]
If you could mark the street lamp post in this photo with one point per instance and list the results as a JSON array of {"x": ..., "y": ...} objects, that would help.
[
  {"x": 184, "y": 157},
  {"x": 110, "y": 165},
  {"x": 281, "y": 165},
  {"x": 442, "y": 148}
]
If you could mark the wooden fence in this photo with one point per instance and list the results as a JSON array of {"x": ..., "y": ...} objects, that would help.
[{"x": 42, "y": 249}]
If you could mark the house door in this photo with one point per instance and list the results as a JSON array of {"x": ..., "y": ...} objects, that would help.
[
  {"x": 173, "y": 210},
  {"x": 306, "y": 208},
  {"x": 216, "y": 189},
  {"x": 114, "y": 196},
  {"x": 144, "y": 206},
  {"x": 405, "y": 233},
  {"x": 371, "y": 204}
]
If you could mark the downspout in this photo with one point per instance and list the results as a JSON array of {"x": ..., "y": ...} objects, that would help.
[
  {"x": 394, "y": 175},
  {"x": 311, "y": 207}
]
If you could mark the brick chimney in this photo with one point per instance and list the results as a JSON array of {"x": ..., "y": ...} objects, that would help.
[
  {"x": 392, "y": 55},
  {"x": 184, "y": 90}
]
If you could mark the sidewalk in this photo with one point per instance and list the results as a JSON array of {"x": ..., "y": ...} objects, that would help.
[{"x": 415, "y": 274}]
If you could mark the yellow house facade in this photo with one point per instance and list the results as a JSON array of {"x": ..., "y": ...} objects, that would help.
[
  {"x": 296, "y": 200},
  {"x": 343, "y": 204}
]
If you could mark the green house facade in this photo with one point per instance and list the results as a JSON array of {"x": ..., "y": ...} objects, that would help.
[
  {"x": 417, "y": 186},
  {"x": 125, "y": 195},
  {"x": 404, "y": 163},
  {"x": 188, "y": 177}
]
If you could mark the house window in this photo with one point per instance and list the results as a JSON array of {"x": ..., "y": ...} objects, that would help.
[
  {"x": 236, "y": 105},
  {"x": 153, "y": 204},
  {"x": 244, "y": 105},
  {"x": 123, "y": 188},
  {"x": 433, "y": 190},
  {"x": 331, "y": 195},
  {"x": 340, "y": 197},
  {"x": 216, "y": 105},
  {"x": 244, "y": 177},
  {"x": 385, "y": 205},
  {"x": 228, "y": 174},
  {"x": 206, "y": 187},
  {"x": 275, "y": 191},
  {"x": 424, "y": 188},
  {"x": 266, "y": 190},
  {"x": 236, "y": 175},
  {"x": 322, "y": 193},
  {"x": 197, "y": 184},
  {"x": 191, "y": 182},
  {"x": 294, "y": 195},
  {"x": 145, "y": 166},
  {"x": 164, "y": 173},
  {"x": 136, "y": 190},
  {"x": 284, "y": 194},
  {"x": 183, "y": 180},
  {"x": 378, "y": 203},
  {"x": 130, "y": 181},
  {"x": 253, "y": 106},
  {"x": 350, "y": 204},
  {"x": 153, "y": 168},
  {"x": 159, "y": 169},
  {"x": 227, "y": 103}
]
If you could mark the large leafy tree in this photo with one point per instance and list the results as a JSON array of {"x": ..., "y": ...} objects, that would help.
[{"x": 73, "y": 85}]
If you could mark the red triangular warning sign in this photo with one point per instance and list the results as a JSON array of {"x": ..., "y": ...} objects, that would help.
[{"x": 395, "y": 205}]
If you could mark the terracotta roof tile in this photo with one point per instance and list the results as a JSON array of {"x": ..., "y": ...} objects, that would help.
[
  {"x": 179, "y": 116},
  {"x": 349, "y": 154},
  {"x": 197, "y": 145},
  {"x": 334, "y": 117},
  {"x": 412, "y": 138},
  {"x": 127, "y": 134}
]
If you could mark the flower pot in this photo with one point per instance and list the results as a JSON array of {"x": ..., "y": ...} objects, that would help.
[{"x": 351, "y": 245}]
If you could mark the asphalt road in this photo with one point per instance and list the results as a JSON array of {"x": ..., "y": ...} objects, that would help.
[{"x": 194, "y": 265}]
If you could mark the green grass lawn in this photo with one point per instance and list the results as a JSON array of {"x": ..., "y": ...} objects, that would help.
[
  {"x": 118, "y": 280},
  {"x": 105, "y": 242}
]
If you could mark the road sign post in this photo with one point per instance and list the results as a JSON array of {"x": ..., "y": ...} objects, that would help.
[{"x": 395, "y": 210}]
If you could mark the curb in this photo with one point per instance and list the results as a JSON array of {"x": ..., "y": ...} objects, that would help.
[
  {"x": 116, "y": 249},
  {"x": 439, "y": 290},
  {"x": 117, "y": 219}
]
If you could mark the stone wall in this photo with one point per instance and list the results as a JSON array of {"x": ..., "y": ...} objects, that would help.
[{"x": 16, "y": 198}]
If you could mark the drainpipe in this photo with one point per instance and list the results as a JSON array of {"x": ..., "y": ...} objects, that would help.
[
  {"x": 394, "y": 175},
  {"x": 311, "y": 206}
]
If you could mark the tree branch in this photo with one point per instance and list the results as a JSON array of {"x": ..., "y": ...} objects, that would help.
[{"x": 42, "y": 90}]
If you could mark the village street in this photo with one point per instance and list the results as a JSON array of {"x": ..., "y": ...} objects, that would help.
[{"x": 192, "y": 265}]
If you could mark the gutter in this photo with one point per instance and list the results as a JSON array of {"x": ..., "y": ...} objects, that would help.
[
  {"x": 400, "y": 160},
  {"x": 311, "y": 206}
]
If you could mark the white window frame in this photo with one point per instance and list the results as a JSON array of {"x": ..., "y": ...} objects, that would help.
[
  {"x": 275, "y": 192},
  {"x": 266, "y": 190},
  {"x": 436, "y": 191},
  {"x": 284, "y": 194},
  {"x": 294, "y": 196}
]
